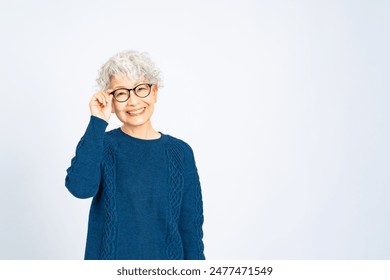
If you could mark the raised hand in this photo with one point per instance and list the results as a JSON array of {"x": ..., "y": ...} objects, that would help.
[{"x": 101, "y": 105}]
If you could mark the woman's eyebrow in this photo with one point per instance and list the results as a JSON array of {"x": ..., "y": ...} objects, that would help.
[
  {"x": 136, "y": 84},
  {"x": 120, "y": 86}
]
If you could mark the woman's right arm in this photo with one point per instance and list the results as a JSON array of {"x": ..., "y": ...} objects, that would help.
[{"x": 83, "y": 175}]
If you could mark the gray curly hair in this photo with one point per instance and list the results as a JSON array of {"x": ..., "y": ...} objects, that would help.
[{"x": 133, "y": 64}]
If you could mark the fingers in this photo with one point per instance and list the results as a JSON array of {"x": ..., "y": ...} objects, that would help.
[
  {"x": 103, "y": 98},
  {"x": 108, "y": 96},
  {"x": 101, "y": 105},
  {"x": 108, "y": 91}
]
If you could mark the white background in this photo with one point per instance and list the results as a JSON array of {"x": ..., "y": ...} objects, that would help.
[{"x": 285, "y": 103}]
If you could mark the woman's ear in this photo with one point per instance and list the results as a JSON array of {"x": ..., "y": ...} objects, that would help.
[
  {"x": 111, "y": 99},
  {"x": 155, "y": 92},
  {"x": 112, "y": 105}
]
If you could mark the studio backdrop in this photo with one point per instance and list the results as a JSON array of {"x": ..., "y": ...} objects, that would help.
[{"x": 285, "y": 104}]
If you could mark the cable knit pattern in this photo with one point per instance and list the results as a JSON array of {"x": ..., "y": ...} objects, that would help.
[
  {"x": 110, "y": 226},
  {"x": 175, "y": 168},
  {"x": 147, "y": 201},
  {"x": 199, "y": 221}
]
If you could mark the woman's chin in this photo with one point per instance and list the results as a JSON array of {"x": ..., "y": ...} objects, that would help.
[{"x": 136, "y": 122}]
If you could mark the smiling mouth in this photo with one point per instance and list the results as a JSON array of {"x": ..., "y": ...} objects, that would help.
[{"x": 136, "y": 112}]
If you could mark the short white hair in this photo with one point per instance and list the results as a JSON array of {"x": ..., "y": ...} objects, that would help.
[{"x": 133, "y": 64}]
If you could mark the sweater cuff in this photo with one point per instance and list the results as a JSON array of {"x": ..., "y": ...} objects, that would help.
[
  {"x": 97, "y": 119},
  {"x": 96, "y": 128},
  {"x": 98, "y": 123}
]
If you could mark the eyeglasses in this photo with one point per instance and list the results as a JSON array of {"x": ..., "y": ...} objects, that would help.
[{"x": 123, "y": 94}]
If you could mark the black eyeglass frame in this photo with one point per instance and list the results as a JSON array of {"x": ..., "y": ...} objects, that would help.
[{"x": 133, "y": 89}]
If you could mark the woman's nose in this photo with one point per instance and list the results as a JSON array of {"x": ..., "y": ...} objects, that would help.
[{"x": 133, "y": 99}]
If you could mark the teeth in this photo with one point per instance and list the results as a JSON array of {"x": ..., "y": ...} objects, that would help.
[{"x": 136, "y": 112}]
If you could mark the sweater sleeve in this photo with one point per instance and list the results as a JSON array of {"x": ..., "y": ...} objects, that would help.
[
  {"x": 83, "y": 175},
  {"x": 191, "y": 214}
]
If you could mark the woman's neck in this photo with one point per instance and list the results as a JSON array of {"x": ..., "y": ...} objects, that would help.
[{"x": 145, "y": 131}]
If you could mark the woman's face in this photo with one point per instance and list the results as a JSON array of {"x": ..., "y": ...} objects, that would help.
[{"x": 136, "y": 111}]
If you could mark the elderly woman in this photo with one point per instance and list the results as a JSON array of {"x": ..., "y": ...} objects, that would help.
[{"x": 147, "y": 201}]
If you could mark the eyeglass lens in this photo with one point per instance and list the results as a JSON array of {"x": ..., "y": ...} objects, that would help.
[{"x": 123, "y": 94}]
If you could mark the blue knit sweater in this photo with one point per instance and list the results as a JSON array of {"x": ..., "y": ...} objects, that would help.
[{"x": 147, "y": 201}]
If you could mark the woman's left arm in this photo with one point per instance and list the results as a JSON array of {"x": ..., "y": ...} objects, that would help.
[{"x": 191, "y": 214}]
